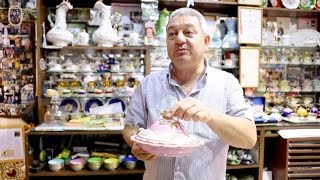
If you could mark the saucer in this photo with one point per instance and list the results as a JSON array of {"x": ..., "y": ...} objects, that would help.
[{"x": 70, "y": 105}]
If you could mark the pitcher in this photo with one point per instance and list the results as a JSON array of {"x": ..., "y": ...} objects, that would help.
[
  {"x": 59, "y": 35},
  {"x": 105, "y": 35}
]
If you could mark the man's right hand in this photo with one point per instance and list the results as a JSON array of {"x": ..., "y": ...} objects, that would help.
[{"x": 141, "y": 154}]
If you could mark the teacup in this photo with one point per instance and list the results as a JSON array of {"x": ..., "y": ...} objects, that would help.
[
  {"x": 307, "y": 100},
  {"x": 215, "y": 63},
  {"x": 285, "y": 40},
  {"x": 228, "y": 63},
  {"x": 294, "y": 100}
]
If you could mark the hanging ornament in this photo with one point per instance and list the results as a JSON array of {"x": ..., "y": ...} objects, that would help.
[{"x": 15, "y": 15}]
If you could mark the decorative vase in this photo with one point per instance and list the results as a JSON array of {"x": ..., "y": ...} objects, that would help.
[
  {"x": 231, "y": 39},
  {"x": 59, "y": 35},
  {"x": 223, "y": 29},
  {"x": 105, "y": 35}
]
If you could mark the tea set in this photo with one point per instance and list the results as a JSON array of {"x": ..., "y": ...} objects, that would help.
[{"x": 289, "y": 56}]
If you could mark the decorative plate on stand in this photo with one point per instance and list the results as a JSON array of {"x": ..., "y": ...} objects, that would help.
[
  {"x": 116, "y": 100},
  {"x": 307, "y": 4},
  {"x": 91, "y": 103},
  {"x": 291, "y": 4},
  {"x": 70, "y": 105}
]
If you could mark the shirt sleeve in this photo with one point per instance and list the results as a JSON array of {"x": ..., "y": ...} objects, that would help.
[
  {"x": 236, "y": 105},
  {"x": 137, "y": 112}
]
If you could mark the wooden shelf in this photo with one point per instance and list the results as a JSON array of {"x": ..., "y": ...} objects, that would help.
[
  {"x": 99, "y": 48},
  {"x": 303, "y": 157},
  {"x": 284, "y": 12},
  {"x": 87, "y": 172},
  {"x": 308, "y": 163},
  {"x": 302, "y": 151},
  {"x": 243, "y": 166},
  {"x": 216, "y": 7},
  {"x": 88, "y": 3},
  {"x": 304, "y": 175},
  {"x": 63, "y": 133},
  {"x": 295, "y": 145},
  {"x": 304, "y": 169}
]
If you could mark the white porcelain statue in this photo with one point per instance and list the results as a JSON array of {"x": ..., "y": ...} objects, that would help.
[
  {"x": 105, "y": 35},
  {"x": 59, "y": 35}
]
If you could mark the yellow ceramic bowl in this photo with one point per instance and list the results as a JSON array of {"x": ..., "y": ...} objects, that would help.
[{"x": 111, "y": 163}]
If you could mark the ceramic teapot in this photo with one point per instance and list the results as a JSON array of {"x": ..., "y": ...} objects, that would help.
[
  {"x": 59, "y": 35},
  {"x": 105, "y": 35}
]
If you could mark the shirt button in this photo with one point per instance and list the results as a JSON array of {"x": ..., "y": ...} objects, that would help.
[{"x": 178, "y": 168}]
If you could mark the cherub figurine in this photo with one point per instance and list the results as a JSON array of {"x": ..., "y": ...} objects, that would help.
[{"x": 190, "y": 2}]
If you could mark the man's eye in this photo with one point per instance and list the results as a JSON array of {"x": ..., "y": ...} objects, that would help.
[
  {"x": 171, "y": 34},
  {"x": 188, "y": 32}
]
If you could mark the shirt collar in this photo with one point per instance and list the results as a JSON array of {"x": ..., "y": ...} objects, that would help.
[
  {"x": 170, "y": 67},
  {"x": 202, "y": 79}
]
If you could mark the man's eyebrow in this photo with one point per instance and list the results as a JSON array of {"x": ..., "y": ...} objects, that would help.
[{"x": 189, "y": 25}]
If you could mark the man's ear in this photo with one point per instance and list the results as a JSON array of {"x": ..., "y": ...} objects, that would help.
[{"x": 207, "y": 40}]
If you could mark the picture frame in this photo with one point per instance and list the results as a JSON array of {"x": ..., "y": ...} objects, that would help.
[
  {"x": 249, "y": 66},
  {"x": 13, "y": 151},
  {"x": 250, "y": 2},
  {"x": 15, "y": 15},
  {"x": 250, "y": 25}
]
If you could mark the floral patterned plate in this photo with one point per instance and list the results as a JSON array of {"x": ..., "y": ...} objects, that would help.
[{"x": 307, "y": 4}]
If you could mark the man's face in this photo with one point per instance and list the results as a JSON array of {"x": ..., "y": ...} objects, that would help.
[{"x": 186, "y": 42}]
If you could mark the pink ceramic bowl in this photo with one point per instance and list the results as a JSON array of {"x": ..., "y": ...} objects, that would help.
[
  {"x": 166, "y": 150},
  {"x": 167, "y": 137}
]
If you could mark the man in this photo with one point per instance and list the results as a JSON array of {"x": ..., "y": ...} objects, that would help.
[{"x": 210, "y": 102}]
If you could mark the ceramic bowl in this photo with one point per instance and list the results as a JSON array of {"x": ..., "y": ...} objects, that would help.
[
  {"x": 95, "y": 163},
  {"x": 56, "y": 164},
  {"x": 111, "y": 163},
  {"x": 312, "y": 116},
  {"x": 77, "y": 164},
  {"x": 130, "y": 164}
]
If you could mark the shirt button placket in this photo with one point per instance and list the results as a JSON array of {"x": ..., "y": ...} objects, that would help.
[{"x": 178, "y": 175}]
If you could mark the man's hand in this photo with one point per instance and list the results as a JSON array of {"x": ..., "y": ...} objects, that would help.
[
  {"x": 140, "y": 154},
  {"x": 190, "y": 109}
]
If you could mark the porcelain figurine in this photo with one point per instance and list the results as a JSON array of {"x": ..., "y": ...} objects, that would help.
[
  {"x": 286, "y": 112},
  {"x": 31, "y": 4},
  {"x": 59, "y": 35},
  {"x": 83, "y": 38},
  {"x": 105, "y": 35},
  {"x": 134, "y": 39}
]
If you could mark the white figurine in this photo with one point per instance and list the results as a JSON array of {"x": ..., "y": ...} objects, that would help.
[{"x": 190, "y": 2}]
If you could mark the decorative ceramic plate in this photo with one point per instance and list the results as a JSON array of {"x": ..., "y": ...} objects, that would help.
[
  {"x": 318, "y": 5},
  {"x": 116, "y": 100},
  {"x": 307, "y": 4},
  {"x": 94, "y": 102},
  {"x": 70, "y": 105},
  {"x": 291, "y": 4}
]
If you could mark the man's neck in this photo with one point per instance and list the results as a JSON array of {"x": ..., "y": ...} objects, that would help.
[
  {"x": 183, "y": 76},
  {"x": 187, "y": 78}
]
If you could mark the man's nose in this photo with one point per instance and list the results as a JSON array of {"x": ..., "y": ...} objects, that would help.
[{"x": 180, "y": 38}]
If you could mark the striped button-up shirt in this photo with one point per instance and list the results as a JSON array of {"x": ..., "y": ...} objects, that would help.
[{"x": 157, "y": 92}]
